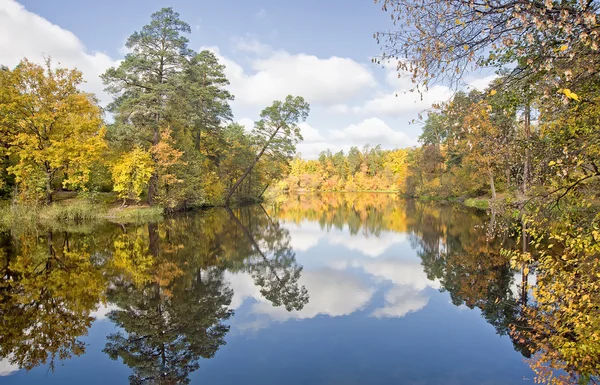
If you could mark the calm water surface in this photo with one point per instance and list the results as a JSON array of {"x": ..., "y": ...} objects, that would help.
[{"x": 329, "y": 289}]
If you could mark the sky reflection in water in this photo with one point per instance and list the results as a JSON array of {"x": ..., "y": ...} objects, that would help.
[{"x": 372, "y": 265}]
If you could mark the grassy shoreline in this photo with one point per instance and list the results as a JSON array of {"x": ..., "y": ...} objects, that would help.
[{"x": 75, "y": 210}]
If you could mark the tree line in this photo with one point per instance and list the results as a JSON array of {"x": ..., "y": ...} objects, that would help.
[
  {"x": 372, "y": 169},
  {"x": 169, "y": 137}
]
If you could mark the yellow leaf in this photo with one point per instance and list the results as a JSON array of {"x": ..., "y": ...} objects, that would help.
[
  {"x": 564, "y": 47},
  {"x": 493, "y": 92},
  {"x": 570, "y": 95}
]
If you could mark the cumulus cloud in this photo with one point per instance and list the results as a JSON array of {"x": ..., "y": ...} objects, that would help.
[
  {"x": 374, "y": 131},
  {"x": 278, "y": 74},
  {"x": 243, "y": 288},
  {"x": 333, "y": 293},
  {"x": 371, "y": 131},
  {"x": 405, "y": 102},
  {"x": 339, "y": 108},
  {"x": 25, "y": 34},
  {"x": 247, "y": 123}
]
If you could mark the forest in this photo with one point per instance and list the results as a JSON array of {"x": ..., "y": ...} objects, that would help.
[{"x": 167, "y": 138}]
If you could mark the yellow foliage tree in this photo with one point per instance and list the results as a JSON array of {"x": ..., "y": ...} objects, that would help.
[
  {"x": 167, "y": 158},
  {"x": 131, "y": 174},
  {"x": 50, "y": 126}
]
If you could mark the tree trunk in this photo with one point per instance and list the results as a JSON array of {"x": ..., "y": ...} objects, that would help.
[
  {"x": 263, "y": 191},
  {"x": 153, "y": 183},
  {"x": 245, "y": 174},
  {"x": 197, "y": 144},
  {"x": 527, "y": 132},
  {"x": 48, "y": 186},
  {"x": 492, "y": 185},
  {"x": 524, "y": 270}
]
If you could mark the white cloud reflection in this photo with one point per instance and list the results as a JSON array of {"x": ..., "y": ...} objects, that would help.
[
  {"x": 399, "y": 301},
  {"x": 7, "y": 368},
  {"x": 344, "y": 285}
]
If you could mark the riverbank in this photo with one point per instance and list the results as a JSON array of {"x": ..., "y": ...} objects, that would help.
[{"x": 71, "y": 208}]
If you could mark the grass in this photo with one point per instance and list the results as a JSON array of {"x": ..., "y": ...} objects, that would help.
[
  {"x": 74, "y": 212},
  {"x": 136, "y": 214},
  {"x": 479, "y": 203}
]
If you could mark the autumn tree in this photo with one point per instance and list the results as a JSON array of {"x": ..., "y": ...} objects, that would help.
[
  {"x": 484, "y": 143},
  {"x": 277, "y": 132},
  {"x": 435, "y": 40},
  {"x": 131, "y": 174},
  {"x": 53, "y": 129}
]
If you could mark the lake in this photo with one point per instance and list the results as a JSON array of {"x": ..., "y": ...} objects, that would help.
[{"x": 311, "y": 289}]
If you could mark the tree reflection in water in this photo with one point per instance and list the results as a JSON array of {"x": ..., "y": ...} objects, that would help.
[{"x": 167, "y": 280}]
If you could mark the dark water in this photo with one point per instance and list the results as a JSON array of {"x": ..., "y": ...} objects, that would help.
[{"x": 334, "y": 289}]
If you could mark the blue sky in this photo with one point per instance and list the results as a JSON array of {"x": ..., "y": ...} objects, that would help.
[{"x": 320, "y": 50}]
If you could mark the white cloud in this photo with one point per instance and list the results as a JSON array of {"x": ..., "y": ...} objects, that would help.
[
  {"x": 398, "y": 79},
  {"x": 403, "y": 102},
  {"x": 247, "y": 123},
  {"x": 243, "y": 288},
  {"x": 309, "y": 133},
  {"x": 25, "y": 34},
  {"x": 333, "y": 293},
  {"x": 400, "y": 301},
  {"x": 372, "y": 131},
  {"x": 7, "y": 368},
  {"x": 339, "y": 108},
  {"x": 319, "y": 80},
  {"x": 482, "y": 83}
]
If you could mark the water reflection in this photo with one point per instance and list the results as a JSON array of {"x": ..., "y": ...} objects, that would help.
[
  {"x": 170, "y": 289},
  {"x": 164, "y": 284},
  {"x": 50, "y": 284}
]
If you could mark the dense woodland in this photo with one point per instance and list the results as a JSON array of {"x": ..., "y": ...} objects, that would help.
[{"x": 167, "y": 137}]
